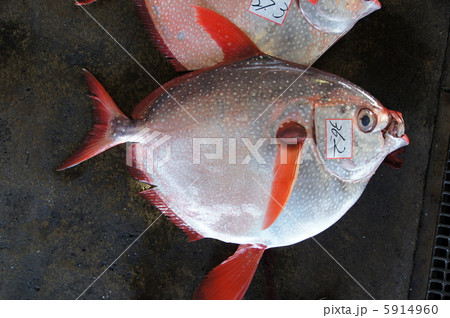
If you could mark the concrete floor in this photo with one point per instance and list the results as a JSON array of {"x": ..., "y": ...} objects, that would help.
[{"x": 61, "y": 230}]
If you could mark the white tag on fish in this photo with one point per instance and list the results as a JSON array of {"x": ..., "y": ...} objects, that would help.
[
  {"x": 272, "y": 10},
  {"x": 339, "y": 138}
]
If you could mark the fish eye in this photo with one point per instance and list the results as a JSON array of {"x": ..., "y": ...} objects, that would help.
[{"x": 367, "y": 120}]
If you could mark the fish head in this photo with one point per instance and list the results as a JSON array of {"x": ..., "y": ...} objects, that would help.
[
  {"x": 336, "y": 16},
  {"x": 354, "y": 133}
]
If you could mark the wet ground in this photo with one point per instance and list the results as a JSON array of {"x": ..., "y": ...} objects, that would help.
[{"x": 59, "y": 231}]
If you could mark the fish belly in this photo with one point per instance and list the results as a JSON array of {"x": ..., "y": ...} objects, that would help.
[{"x": 217, "y": 187}]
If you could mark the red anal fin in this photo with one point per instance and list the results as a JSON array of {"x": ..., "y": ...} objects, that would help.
[
  {"x": 291, "y": 135},
  {"x": 234, "y": 43},
  {"x": 153, "y": 196},
  {"x": 230, "y": 280},
  {"x": 139, "y": 175},
  {"x": 146, "y": 19},
  {"x": 99, "y": 139},
  {"x": 83, "y": 2},
  {"x": 135, "y": 168}
]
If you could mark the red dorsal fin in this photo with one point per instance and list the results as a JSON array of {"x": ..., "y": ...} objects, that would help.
[
  {"x": 99, "y": 139},
  {"x": 146, "y": 19},
  {"x": 83, "y": 2},
  {"x": 230, "y": 280},
  {"x": 285, "y": 172},
  {"x": 154, "y": 197},
  {"x": 234, "y": 43}
]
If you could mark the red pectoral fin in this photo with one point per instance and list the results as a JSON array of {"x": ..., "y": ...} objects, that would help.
[
  {"x": 230, "y": 280},
  {"x": 234, "y": 43},
  {"x": 285, "y": 173}
]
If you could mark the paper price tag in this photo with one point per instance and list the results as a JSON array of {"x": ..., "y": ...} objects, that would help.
[
  {"x": 339, "y": 138},
  {"x": 272, "y": 10}
]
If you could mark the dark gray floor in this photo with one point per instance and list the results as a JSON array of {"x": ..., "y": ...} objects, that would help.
[{"x": 60, "y": 230}]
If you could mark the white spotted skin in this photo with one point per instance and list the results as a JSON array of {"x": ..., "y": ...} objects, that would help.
[
  {"x": 225, "y": 198},
  {"x": 295, "y": 40}
]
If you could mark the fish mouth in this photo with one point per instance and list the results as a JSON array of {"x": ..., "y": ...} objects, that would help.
[{"x": 395, "y": 130}]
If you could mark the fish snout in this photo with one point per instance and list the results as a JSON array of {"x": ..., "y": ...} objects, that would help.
[
  {"x": 375, "y": 4},
  {"x": 331, "y": 16},
  {"x": 396, "y": 126}
]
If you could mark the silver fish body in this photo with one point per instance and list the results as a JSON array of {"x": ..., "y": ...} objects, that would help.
[{"x": 214, "y": 163}]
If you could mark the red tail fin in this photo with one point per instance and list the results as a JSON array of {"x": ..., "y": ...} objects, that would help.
[
  {"x": 230, "y": 280},
  {"x": 99, "y": 139},
  {"x": 235, "y": 44}
]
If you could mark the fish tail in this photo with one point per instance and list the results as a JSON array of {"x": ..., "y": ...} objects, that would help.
[
  {"x": 102, "y": 136},
  {"x": 231, "y": 279}
]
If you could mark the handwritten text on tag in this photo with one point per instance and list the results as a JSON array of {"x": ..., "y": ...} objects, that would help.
[
  {"x": 339, "y": 138},
  {"x": 273, "y": 10}
]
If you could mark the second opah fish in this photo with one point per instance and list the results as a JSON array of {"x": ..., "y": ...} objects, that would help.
[{"x": 294, "y": 30}]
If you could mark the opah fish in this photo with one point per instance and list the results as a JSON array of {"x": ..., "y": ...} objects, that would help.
[
  {"x": 295, "y": 30},
  {"x": 262, "y": 153}
]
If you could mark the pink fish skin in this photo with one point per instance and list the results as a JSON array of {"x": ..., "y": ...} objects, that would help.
[
  {"x": 307, "y": 31},
  {"x": 207, "y": 141}
]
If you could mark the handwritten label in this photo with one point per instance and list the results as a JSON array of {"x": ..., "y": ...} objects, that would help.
[
  {"x": 339, "y": 138},
  {"x": 272, "y": 10}
]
